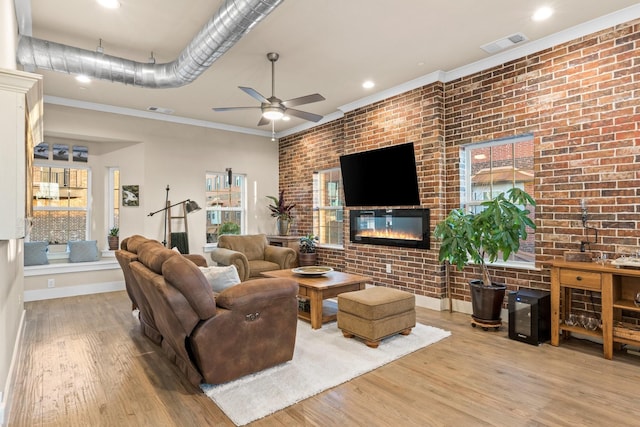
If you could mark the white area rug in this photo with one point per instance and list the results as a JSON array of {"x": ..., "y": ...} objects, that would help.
[{"x": 322, "y": 359}]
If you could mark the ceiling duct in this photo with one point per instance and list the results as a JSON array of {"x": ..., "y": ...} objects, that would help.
[{"x": 230, "y": 23}]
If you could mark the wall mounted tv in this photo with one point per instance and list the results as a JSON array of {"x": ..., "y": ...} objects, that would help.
[{"x": 382, "y": 177}]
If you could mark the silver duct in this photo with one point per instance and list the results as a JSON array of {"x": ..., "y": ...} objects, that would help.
[{"x": 230, "y": 23}]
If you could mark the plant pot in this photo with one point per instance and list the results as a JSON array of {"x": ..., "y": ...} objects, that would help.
[
  {"x": 284, "y": 225},
  {"x": 307, "y": 259},
  {"x": 486, "y": 301},
  {"x": 113, "y": 241}
]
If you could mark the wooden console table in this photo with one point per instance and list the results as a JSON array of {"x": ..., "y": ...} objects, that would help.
[{"x": 617, "y": 287}]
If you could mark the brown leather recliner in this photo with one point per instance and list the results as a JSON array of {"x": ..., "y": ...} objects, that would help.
[
  {"x": 215, "y": 338},
  {"x": 252, "y": 254}
]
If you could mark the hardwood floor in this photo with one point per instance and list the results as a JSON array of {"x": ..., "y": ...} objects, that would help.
[{"x": 84, "y": 362}]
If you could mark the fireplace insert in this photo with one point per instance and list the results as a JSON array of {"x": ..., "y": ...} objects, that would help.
[{"x": 408, "y": 228}]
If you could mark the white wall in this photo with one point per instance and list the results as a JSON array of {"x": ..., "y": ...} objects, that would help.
[
  {"x": 11, "y": 281},
  {"x": 154, "y": 154}
]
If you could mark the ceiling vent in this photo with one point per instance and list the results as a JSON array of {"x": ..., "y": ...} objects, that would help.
[
  {"x": 160, "y": 110},
  {"x": 504, "y": 43}
]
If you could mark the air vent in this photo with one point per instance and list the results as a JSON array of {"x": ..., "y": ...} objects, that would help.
[
  {"x": 504, "y": 43},
  {"x": 160, "y": 110}
]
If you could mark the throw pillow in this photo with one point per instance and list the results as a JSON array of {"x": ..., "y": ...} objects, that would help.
[
  {"x": 83, "y": 251},
  {"x": 35, "y": 253},
  {"x": 221, "y": 278}
]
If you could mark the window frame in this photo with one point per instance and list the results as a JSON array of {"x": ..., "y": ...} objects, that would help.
[
  {"x": 317, "y": 207},
  {"x": 54, "y": 254},
  {"x": 113, "y": 200},
  {"x": 243, "y": 202},
  {"x": 466, "y": 193}
]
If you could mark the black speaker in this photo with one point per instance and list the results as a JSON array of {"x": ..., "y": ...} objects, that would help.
[{"x": 530, "y": 316}]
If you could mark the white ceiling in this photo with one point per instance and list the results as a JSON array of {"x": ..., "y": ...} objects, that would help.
[{"x": 325, "y": 46}]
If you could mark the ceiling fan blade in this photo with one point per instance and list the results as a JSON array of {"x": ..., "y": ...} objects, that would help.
[
  {"x": 303, "y": 115},
  {"x": 234, "y": 108},
  {"x": 263, "y": 121},
  {"x": 254, "y": 94},
  {"x": 308, "y": 99}
]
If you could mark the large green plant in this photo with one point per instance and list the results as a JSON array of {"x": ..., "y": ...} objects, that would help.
[{"x": 496, "y": 230}]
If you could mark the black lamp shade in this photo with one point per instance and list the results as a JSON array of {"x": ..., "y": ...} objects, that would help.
[{"x": 191, "y": 206}]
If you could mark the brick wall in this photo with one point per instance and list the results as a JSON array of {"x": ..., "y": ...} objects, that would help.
[{"x": 581, "y": 101}]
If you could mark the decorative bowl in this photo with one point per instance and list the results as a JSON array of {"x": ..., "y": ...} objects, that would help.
[{"x": 312, "y": 270}]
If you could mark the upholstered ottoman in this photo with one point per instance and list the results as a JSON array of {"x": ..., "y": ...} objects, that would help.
[{"x": 376, "y": 313}]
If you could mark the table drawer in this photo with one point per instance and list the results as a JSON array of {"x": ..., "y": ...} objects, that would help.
[{"x": 580, "y": 279}]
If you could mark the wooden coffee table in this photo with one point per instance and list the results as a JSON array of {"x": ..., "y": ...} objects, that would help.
[{"x": 320, "y": 288}]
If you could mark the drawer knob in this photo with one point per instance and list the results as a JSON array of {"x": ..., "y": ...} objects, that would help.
[{"x": 578, "y": 278}]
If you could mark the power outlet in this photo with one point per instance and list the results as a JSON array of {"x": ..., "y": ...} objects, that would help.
[
  {"x": 388, "y": 267},
  {"x": 51, "y": 283}
]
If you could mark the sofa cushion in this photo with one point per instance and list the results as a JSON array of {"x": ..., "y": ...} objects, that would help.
[
  {"x": 132, "y": 243},
  {"x": 185, "y": 276},
  {"x": 153, "y": 255},
  {"x": 35, "y": 253},
  {"x": 256, "y": 267},
  {"x": 252, "y": 246},
  {"x": 220, "y": 278},
  {"x": 83, "y": 251}
]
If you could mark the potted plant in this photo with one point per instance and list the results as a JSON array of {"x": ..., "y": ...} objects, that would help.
[
  {"x": 113, "y": 238},
  {"x": 308, "y": 254},
  {"x": 282, "y": 212},
  {"x": 483, "y": 237}
]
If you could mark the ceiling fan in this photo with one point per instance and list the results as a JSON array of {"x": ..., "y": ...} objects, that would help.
[{"x": 274, "y": 108}]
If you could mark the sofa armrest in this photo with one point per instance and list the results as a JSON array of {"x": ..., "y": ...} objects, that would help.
[
  {"x": 256, "y": 293},
  {"x": 223, "y": 256},
  {"x": 283, "y": 256},
  {"x": 197, "y": 259}
]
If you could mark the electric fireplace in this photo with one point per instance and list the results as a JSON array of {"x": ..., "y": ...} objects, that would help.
[{"x": 408, "y": 228}]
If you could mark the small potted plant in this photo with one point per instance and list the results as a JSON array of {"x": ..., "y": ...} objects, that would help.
[
  {"x": 282, "y": 212},
  {"x": 308, "y": 254},
  {"x": 494, "y": 232},
  {"x": 113, "y": 238}
]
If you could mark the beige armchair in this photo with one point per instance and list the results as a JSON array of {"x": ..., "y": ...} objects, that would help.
[{"x": 252, "y": 254}]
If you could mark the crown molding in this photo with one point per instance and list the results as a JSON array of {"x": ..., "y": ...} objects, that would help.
[{"x": 105, "y": 108}]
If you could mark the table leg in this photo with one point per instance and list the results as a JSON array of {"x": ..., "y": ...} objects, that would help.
[
  {"x": 315, "y": 308},
  {"x": 555, "y": 307}
]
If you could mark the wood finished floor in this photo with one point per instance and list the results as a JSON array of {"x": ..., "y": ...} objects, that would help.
[{"x": 84, "y": 362}]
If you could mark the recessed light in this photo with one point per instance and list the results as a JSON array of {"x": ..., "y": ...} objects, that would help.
[
  {"x": 109, "y": 4},
  {"x": 83, "y": 79},
  {"x": 286, "y": 118},
  {"x": 542, "y": 13},
  {"x": 368, "y": 84}
]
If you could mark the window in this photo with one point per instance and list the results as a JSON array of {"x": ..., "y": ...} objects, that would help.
[
  {"x": 113, "y": 198},
  {"x": 60, "y": 203},
  {"x": 491, "y": 168},
  {"x": 328, "y": 207},
  {"x": 226, "y": 204}
]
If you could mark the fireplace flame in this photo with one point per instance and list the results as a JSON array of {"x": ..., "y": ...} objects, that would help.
[{"x": 389, "y": 234}]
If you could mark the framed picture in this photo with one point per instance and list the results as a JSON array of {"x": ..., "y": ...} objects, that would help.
[
  {"x": 130, "y": 195},
  {"x": 60, "y": 152},
  {"x": 41, "y": 151},
  {"x": 80, "y": 153}
]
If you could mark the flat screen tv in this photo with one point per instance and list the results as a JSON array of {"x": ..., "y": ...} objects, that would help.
[{"x": 382, "y": 177}]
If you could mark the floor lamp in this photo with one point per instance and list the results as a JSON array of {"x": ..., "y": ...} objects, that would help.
[{"x": 189, "y": 206}]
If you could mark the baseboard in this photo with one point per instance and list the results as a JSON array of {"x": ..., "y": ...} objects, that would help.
[
  {"x": 5, "y": 399},
  {"x": 72, "y": 291}
]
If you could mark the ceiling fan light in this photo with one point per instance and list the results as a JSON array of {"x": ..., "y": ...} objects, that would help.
[{"x": 272, "y": 113}]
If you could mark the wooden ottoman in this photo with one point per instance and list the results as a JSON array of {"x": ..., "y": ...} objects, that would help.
[{"x": 376, "y": 313}]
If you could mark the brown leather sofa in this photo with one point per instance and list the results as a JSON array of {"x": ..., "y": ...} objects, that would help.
[
  {"x": 211, "y": 338},
  {"x": 125, "y": 257},
  {"x": 252, "y": 254}
]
